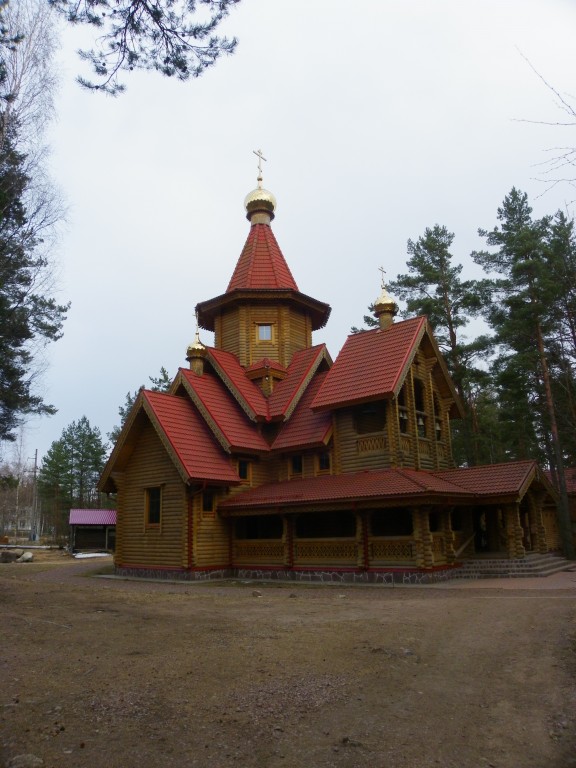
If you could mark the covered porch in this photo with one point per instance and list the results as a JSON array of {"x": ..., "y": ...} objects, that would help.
[{"x": 424, "y": 528}]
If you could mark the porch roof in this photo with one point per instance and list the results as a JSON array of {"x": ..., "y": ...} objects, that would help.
[{"x": 390, "y": 487}]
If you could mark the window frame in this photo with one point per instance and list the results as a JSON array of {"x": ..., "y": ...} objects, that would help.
[
  {"x": 259, "y": 338},
  {"x": 294, "y": 472},
  {"x": 246, "y": 477},
  {"x": 150, "y": 501},
  {"x": 208, "y": 509},
  {"x": 320, "y": 470}
]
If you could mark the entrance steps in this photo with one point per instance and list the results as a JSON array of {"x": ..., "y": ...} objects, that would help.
[{"x": 533, "y": 564}]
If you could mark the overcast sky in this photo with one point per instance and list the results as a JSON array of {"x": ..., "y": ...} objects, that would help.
[{"x": 378, "y": 119}]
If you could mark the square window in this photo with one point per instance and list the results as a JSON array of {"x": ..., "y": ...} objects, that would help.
[
  {"x": 264, "y": 332},
  {"x": 153, "y": 507}
]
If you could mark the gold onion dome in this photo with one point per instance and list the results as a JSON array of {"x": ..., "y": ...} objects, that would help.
[
  {"x": 260, "y": 200},
  {"x": 385, "y": 302},
  {"x": 196, "y": 349},
  {"x": 385, "y": 308}
]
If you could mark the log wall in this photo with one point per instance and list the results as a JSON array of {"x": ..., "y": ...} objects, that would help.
[
  {"x": 236, "y": 332},
  {"x": 137, "y": 544}
]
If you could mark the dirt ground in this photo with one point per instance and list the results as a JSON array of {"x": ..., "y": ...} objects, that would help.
[{"x": 100, "y": 672}]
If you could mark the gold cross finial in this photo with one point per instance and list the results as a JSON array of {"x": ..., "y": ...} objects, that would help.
[
  {"x": 383, "y": 272},
  {"x": 260, "y": 156}
]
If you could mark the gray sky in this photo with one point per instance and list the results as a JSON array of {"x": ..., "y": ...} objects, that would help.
[{"x": 377, "y": 118}]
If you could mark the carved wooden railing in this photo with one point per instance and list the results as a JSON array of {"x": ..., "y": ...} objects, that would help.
[
  {"x": 323, "y": 552},
  {"x": 424, "y": 447},
  {"x": 406, "y": 444},
  {"x": 257, "y": 552},
  {"x": 371, "y": 444},
  {"x": 395, "y": 549}
]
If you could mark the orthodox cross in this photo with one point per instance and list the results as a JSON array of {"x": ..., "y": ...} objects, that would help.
[
  {"x": 383, "y": 272},
  {"x": 260, "y": 156}
]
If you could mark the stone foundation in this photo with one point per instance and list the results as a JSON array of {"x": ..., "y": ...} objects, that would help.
[
  {"x": 383, "y": 577},
  {"x": 163, "y": 574}
]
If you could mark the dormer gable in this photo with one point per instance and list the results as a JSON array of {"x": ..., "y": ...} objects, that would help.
[
  {"x": 174, "y": 420},
  {"x": 392, "y": 397},
  {"x": 222, "y": 413},
  {"x": 373, "y": 365}
]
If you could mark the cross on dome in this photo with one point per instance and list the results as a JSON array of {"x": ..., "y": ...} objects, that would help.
[
  {"x": 384, "y": 307},
  {"x": 383, "y": 272},
  {"x": 260, "y": 156},
  {"x": 260, "y": 201}
]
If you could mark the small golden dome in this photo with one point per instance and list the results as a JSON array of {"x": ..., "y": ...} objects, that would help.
[
  {"x": 385, "y": 302},
  {"x": 385, "y": 308},
  {"x": 260, "y": 200},
  {"x": 196, "y": 349}
]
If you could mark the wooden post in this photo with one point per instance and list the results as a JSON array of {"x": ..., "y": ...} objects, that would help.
[
  {"x": 535, "y": 503},
  {"x": 289, "y": 541},
  {"x": 422, "y": 538},
  {"x": 362, "y": 559},
  {"x": 446, "y": 528},
  {"x": 514, "y": 533}
]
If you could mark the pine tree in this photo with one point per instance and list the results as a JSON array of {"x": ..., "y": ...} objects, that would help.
[
  {"x": 433, "y": 287},
  {"x": 169, "y": 36},
  {"x": 70, "y": 471},
  {"x": 562, "y": 315},
  {"x": 525, "y": 328},
  {"x": 27, "y": 316}
]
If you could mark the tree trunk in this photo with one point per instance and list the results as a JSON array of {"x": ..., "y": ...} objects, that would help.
[{"x": 564, "y": 520}]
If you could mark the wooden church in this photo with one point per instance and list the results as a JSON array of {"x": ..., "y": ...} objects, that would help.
[{"x": 268, "y": 459}]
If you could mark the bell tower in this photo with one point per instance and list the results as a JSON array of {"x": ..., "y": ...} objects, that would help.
[{"x": 262, "y": 316}]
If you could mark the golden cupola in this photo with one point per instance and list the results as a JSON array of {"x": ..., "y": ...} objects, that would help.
[{"x": 385, "y": 308}]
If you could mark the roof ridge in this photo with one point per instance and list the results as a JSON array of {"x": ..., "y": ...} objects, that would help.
[{"x": 404, "y": 472}]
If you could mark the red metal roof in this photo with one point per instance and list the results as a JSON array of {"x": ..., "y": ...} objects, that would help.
[
  {"x": 492, "y": 479},
  {"x": 261, "y": 264},
  {"x": 304, "y": 427},
  {"x": 266, "y": 362},
  {"x": 371, "y": 364},
  {"x": 223, "y": 410},
  {"x": 302, "y": 366},
  {"x": 387, "y": 484},
  {"x": 391, "y": 485},
  {"x": 234, "y": 377},
  {"x": 92, "y": 517},
  {"x": 200, "y": 457}
]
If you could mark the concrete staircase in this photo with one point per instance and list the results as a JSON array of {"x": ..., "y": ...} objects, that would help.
[{"x": 532, "y": 565}]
